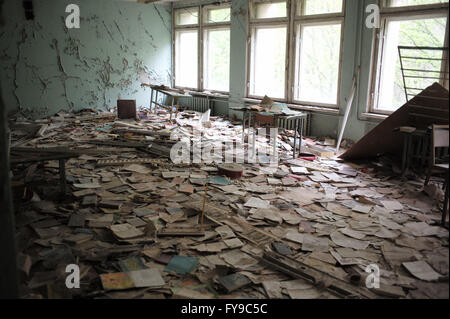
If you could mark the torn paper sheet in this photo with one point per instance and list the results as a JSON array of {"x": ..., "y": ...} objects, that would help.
[
  {"x": 344, "y": 241},
  {"x": 420, "y": 269}
]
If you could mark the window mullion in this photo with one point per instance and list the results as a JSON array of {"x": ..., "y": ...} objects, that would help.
[
  {"x": 298, "y": 16},
  {"x": 301, "y": 7},
  {"x": 172, "y": 80},
  {"x": 250, "y": 59},
  {"x": 200, "y": 49},
  {"x": 298, "y": 61},
  {"x": 290, "y": 54},
  {"x": 205, "y": 56},
  {"x": 381, "y": 41},
  {"x": 445, "y": 61}
]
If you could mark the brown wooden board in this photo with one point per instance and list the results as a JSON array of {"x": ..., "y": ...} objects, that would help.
[{"x": 382, "y": 139}]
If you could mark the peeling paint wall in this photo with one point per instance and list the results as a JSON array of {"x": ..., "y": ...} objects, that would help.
[{"x": 47, "y": 67}]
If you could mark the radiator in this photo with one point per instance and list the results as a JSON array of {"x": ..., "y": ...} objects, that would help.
[
  {"x": 290, "y": 124},
  {"x": 196, "y": 103},
  {"x": 202, "y": 104}
]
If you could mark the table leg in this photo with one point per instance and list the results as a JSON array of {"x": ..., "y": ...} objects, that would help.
[
  {"x": 295, "y": 138},
  {"x": 301, "y": 136},
  {"x": 243, "y": 128},
  {"x": 156, "y": 100},
  {"x": 254, "y": 136},
  {"x": 410, "y": 150},
  {"x": 210, "y": 106},
  {"x": 62, "y": 175},
  {"x": 275, "y": 139},
  {"x": 178, "y": 104},
  {"x": 151, "y": 99},
  {"x": 405, "y": 149},
  {"x": 424, "y": 153},
  {"x": 171, "y": 108},
  {"x": 406, "y": 143}
]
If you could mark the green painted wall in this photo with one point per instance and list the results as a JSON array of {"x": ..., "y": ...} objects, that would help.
[
  {"x": 47, "y": 67},
  {"x": 362, "y": 39},
  {"x": 238, "y": 57}
]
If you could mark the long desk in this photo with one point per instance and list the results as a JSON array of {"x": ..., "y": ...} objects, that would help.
[
  {"x": 32, "y": 155},
  {"x": 299, "y": 118},
  {"x": 174, "y": 94}
]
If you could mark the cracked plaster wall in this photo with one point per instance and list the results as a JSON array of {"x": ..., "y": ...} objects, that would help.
[{"x": 47, "y": 67}]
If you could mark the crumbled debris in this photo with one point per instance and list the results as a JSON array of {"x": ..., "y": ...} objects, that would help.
[{"x": 132, "y": 219}]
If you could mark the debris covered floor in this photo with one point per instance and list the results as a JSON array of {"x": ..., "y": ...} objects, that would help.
[{"x": 131, "y": 219}]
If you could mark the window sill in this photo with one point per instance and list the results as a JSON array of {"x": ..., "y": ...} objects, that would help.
[
  {"x": 318, "y": 109},
  {"x": 217, "y": 94},
  {"x": 309, "y": 108},
  {"x": 209, "y": 94},
  {"x": 376, "y": 116}
]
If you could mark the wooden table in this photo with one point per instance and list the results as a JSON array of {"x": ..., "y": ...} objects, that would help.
[
  {"x": 299, "y": 118},
  {"x": 33, "y": 155},
  {"x": 174, "y": 94},
  {"x": 414, "y": 153}
]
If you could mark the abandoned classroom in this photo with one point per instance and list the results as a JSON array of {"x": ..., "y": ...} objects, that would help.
[{"x": 264, "y": 149}]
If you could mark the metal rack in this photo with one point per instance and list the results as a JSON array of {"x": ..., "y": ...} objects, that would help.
[
  {"x": 418, "y": 72},
  {"x": 421, "y": 67}
]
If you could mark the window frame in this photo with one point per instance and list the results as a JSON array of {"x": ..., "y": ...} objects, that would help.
[
  {"x": 201, "y": 27},
  {"x": 175, "y": 57},
  {"x": 272, "y": 24},
  {"x": 293, "y": 21},
  {"x": 187, "y": 25},
  {"x": 251, "y": 4},
  {"x": 403, "y": 13},
  {"x": 298, "y": 28},
  {"x": 215, "y": 26}
]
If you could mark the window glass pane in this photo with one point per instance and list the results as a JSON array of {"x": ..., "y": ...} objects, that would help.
[
  {"x": 268, "y": 62},
  {"x": 404, "y": 3},
  {"x": 322, "y": 6},
  {"x": 186, "y": 58},
  {"x": 186, "y": 16},
  {"x": 318, "y": 64},
  {"x": 422, "y": 32},
  {"x": 264, "y": 10},
  {"x": 217, "y": 15},
  {"x": 217, "y": 59}
]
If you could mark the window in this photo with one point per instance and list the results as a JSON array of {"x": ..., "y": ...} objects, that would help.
[
  {"x": 265, "y": 10},
  {"x": 404, "y": 3},
  {"x": 269, "y": 58},
  {"x": 311, "y": 7},
  {"x": 296, "y": 58},
  {"x": 318, "y": 63},
  {"x": 217, "y": 59},
  {"x": 202, "y": 48},
  {"x": 216, "y": 15},
  {"x": 187, "y": 16},
  {"x": 419, "y": 28},
  {"x": 186, "y": 55}
]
